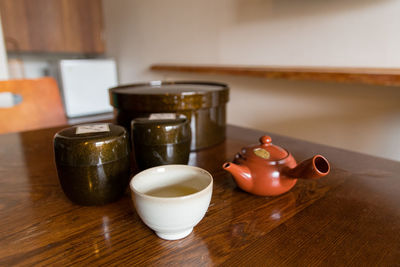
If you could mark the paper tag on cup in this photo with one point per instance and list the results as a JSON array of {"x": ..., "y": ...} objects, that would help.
[
  {"x": 162, "y": 116},
  {"x": 92, "y": 128}
]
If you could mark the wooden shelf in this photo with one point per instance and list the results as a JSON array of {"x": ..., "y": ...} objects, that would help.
[{"x": 374, "y": 76}]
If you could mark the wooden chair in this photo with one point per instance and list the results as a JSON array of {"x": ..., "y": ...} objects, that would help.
[{"x": 40, "y": 106}]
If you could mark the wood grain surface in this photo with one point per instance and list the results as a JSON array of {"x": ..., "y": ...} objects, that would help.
[
  {"x": 70, "y": 26},
  {"x": 351, "y": 217},
  {"x": 373, "y": 76}
]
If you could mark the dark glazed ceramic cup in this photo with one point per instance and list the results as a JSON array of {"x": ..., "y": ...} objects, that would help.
[
  {"x": 161, "y": 139},
  {"x": 93, "y": 162}
]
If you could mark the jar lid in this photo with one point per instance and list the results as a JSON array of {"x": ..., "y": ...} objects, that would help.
[
  {"x": 91, "y": 144},
  {"x": 161, "y": 129},
  {"x": 158, "y": 96},
  {"x": 265, "y": 151}
]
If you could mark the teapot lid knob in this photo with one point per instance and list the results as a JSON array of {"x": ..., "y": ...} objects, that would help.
[{"x": 265, "y": 139}]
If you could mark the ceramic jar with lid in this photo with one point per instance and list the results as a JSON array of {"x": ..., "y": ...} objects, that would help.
[
  {"x": 93, "y": 162},
  {"x": 161, "y": 139},
  {"x": 203, "y": 103}
]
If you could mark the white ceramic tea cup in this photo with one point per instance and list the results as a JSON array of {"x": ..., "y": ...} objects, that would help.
[{"x": 172, "y": 199}]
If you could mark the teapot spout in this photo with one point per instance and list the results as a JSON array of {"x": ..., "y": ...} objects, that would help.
[
  {"x": 312, "y": 168},
  {"x": 241, "y": 174}
]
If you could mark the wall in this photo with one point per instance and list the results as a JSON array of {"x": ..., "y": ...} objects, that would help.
[
  {"x": 3, "y": 57},
  {"x": 274, "y": 32}
]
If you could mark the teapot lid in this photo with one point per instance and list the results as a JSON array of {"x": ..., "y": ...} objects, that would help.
[{"x": 266, "y": 150}]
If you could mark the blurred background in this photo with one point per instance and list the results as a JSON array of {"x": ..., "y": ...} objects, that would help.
[{"x": 91, "y": 45}]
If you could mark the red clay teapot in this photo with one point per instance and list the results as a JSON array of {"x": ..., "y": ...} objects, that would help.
[{"x": 269, "y": 170}]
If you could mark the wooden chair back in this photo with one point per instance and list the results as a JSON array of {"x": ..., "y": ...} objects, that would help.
[{"x": 40, "y": 106}]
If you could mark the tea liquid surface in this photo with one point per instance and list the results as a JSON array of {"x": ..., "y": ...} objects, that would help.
[{"x": 172, "y": 191}]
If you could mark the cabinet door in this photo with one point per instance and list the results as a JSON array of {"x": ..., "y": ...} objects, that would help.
[
  {"x": 83, "y": 25},
  {"x": 72, "y": 26}
]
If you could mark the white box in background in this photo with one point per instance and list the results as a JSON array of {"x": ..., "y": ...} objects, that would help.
[{"x": 85, "y": 84}]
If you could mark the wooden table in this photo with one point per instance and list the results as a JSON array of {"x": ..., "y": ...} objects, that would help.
[{"x": 350, "y": 217}]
